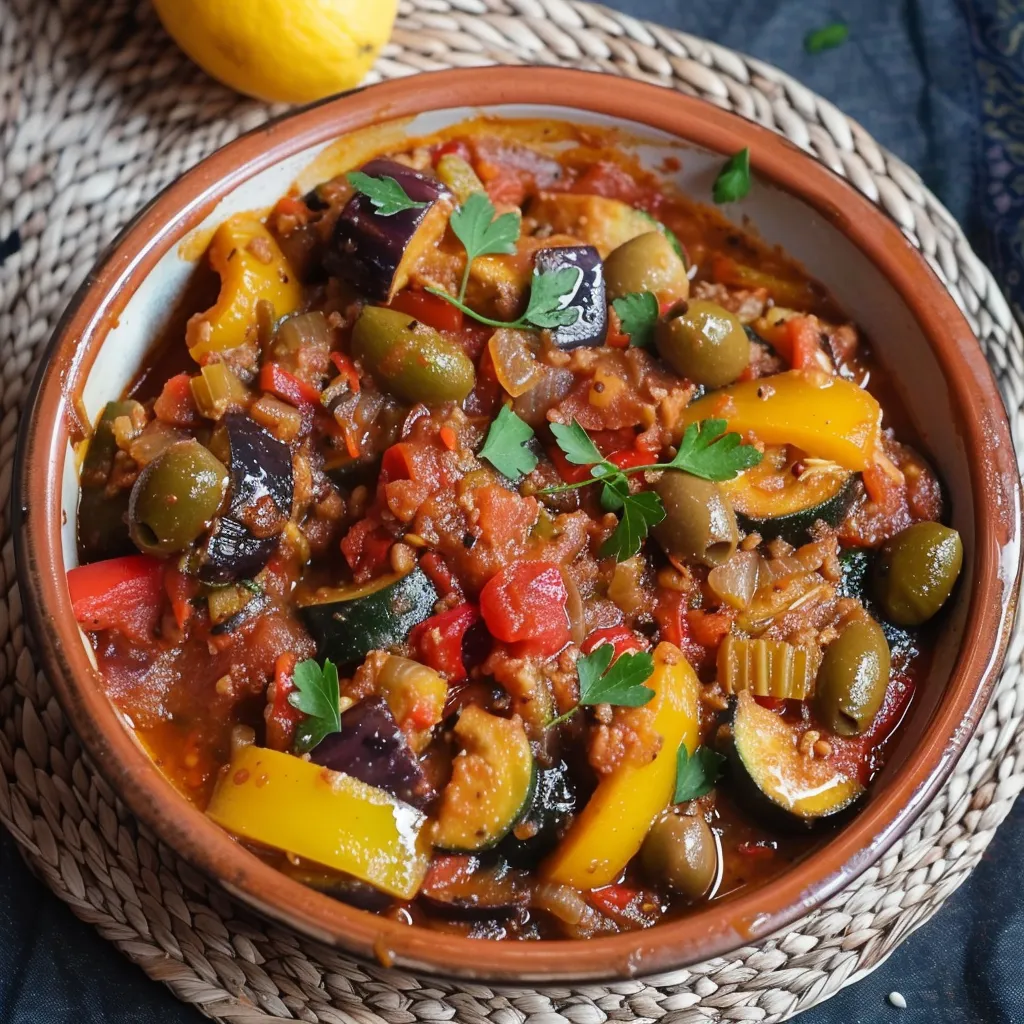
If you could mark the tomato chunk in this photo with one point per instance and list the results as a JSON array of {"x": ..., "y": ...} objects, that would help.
[
  {"x": 429, "y": 309},
  {"x": 123, "y": 594},
  {"x": 525, "y": 604},
  {"x": 438, "y": 640},
  {"x": 622, "y": 639}
]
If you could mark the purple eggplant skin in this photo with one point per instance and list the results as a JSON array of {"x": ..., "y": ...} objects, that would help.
[
  {"x": 371, "y": 748},
  {"x": 259, "y": 503},
  {"x": 367, "y": 249},
  {"x": 590, "y": 296}
]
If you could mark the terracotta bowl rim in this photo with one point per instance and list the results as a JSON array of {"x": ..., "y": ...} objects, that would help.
[{"x": 717, "y": 928}]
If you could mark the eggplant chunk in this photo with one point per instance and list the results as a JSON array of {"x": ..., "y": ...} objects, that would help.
[
  {"x": 371, "y": 748},
  {"x": 375, "y": 253},
  {"x": 259, "y": 502},
  {"x": 589, "y": 296}
]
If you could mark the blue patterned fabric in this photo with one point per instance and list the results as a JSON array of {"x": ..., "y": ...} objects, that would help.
[{"x": 941, "y": 83}]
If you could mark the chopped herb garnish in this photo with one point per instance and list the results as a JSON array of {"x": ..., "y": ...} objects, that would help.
[
  {"x": 827, "y": 38},
  {"x": 547, "y": 306},
  {"x": 733, "y": 181},
  {"x": 621, "y": 684},
  {"x": 481, "y": 233},
  {"x": 696, "y": 775},
  {"x": 638, "y": 314},
  {"x": 706, "y": 450},
  {"x": 385, "y": 193},
  {"x": 503, "y": 447},
  {"x": 317, "y": 696}
]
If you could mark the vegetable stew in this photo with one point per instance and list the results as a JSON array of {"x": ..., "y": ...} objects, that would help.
[{"x": 503, "y": 542}]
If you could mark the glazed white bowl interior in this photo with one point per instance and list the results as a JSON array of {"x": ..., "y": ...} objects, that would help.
[{"x": 778, "y": 217}]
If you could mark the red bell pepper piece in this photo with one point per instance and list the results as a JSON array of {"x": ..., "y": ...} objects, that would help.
[
  {"x": 175, "y": 404},
  {"x": 428, "y": 309},
  {"x": 289, "y": 388},
  {"x": 439, "y": 574},
  {"x": 438, "y": 640},
  {"x": 613, "y": 899},
  {"x": 366, "y": 547},
  {"x": 453, "y": 147},
  {"x": 622, "y": 639},
  {"x": 628, "y": 458},
  {"x": 181, "y": 589},
  {"x": 123, "y": 594},
  {"x": 570, "y": 472},
  {"x": 347, "y": 369},
  {"x": 283, "y": 719},
  {"x": 525, "y": 604}
]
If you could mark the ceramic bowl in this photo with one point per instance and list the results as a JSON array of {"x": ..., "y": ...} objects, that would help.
[{"x": 920, "y": 337}]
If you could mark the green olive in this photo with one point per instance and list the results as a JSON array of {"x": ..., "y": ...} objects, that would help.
[
  {"x": 705, "y": 344},
  {"x": 647, "y": 263},
  {"x": 176, "y": 498},
  {"x": 411, "y": 360},
  {"x": 699, "y": 523},
  {"x": 916, "y": 572},
  {"x": 852, "y": 678},
  {"x": 681, "y": 854}
]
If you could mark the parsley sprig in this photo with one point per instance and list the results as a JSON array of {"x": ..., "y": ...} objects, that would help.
[
  {"x": 385, "y": 193},
  {"x": 696, "y": 775},
  {"x": 733, "y": 181},
  {"x": 826, "y": 38},
  {"x": 482, "y": 233},
  {"x": 638, "y": 315},
  {"x": 705, "y": 450},
  {"x": 601, "y": 682},
  {"x": 316, "y": 695},
  {"x": 503, "y": 446},
  {"x": 546, "y": 308}
]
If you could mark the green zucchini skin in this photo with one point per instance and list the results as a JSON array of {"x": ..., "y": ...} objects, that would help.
[
  {"x": 554, "y": 802},
  {"x": 766, "y": 776},
  {"x": 489, "y": 791},
  {"x": 794, "y": 528},
  {"x": 352, "y": 621}
]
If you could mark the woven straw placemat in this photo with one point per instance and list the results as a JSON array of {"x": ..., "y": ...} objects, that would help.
[{"x": 98, "y": 110}]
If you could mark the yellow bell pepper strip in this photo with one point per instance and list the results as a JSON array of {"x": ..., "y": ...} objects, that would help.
[
  {"x": 290, "y": 804},
  {"x": 251, "y": 267},
  {"x": 612, "y": 827},
  {"x": 826, "y": 416}
]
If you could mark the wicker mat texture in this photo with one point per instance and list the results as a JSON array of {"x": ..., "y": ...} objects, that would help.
[{"x": 98, "y": 110}]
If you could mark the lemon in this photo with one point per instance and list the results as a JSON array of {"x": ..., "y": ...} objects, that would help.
[{"x": 290, "y": 51}]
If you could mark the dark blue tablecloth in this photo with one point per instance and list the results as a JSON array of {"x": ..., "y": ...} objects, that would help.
[{"x": 941, "y": 83}]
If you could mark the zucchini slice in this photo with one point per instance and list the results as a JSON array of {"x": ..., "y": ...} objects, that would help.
[
  {"x": 786, "y": 494},
  {"x": 765, "y": 757},
  {"x": 492, "y": 782},
  {"x": 349, "y": 622}
]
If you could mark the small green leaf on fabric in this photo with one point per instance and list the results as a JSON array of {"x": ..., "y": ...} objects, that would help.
[
  {"x": 733, "y": 181},
  {"x": 503, "y": 447},
  {"x": 638, "y": 315},
  {"x": 385, "y": 193},
  {"x": 698, "y": 774},
  {"x": 316, "y": 695},
  {"x": 827, "y": 38}
]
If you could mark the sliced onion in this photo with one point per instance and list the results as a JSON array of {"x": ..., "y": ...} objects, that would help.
[
  {"x": 736, "y": 580},
  {"x": 514, "y": 364},
  {"x": 554, "y": 384},
  {"x": 574, "y": 609},
  {"x": 562, "y": 901}
]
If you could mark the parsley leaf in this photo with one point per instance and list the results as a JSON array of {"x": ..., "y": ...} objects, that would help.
[
  {"x": 707, "y": 451},
  {"x": 696, "y": 775},
  {"x": 638, "y": 314},
  {"x": 827, "y": 38},
  {"x": 733, "y": 181},
  {"x": 503, "y": 447},
  {"x": 385, "y": 193},
  {"x": 548, "y": 306},
  {"x": 316, "y": 695},
  {"x": 576, "y": 444},
  {"x": 481, "y": 233},
  {"x": 550, "y": 287},
  {"x": 639, "y": 513},
  {"x": 621, "y": 683},
  {"x": 601, "y": 682}
]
